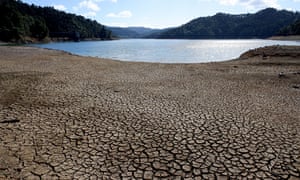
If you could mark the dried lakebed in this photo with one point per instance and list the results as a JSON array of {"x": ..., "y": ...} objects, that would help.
[{"x": 70, "y": 117}]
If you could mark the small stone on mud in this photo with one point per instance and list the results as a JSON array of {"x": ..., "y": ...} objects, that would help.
[
  {"x": 296, "y": 86},
  {"x": 10, "y": 121}
]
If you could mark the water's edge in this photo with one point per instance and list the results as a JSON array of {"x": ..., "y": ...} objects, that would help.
[{"x": 164, "y": 51}]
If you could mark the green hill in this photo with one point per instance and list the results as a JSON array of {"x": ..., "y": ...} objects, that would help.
[
  {"x": 262, "y": 24},
  {"x": 290, "y": 30},
  {"x": 20, "y": 22}
]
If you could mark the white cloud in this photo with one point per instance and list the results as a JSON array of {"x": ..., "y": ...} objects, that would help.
[
  {"x": 252, "y": 4},
  {"x": 90, "y": 14},
  {"x": 60, "y": 7},
  {"x": 105, "y": 0},
  {"x": 122, "y": 14},
  {"x": 89, "y": 8},
  {"x": 228, "y": 2},
  {"x": 89, "y": 4}
]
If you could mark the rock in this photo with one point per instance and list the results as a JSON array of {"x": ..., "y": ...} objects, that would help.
[
  {"x": 10, "y": 121},
  {"x": 281, "y": 75}
]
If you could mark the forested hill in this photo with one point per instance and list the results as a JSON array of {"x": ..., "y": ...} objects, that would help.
[
  {"x": 20, "y": 22},
  {"x": 290, "y": 30},
  {"x": 262, "y": 24}
]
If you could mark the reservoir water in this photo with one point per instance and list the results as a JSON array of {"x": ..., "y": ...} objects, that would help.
[{"x": 164, "y": 51}]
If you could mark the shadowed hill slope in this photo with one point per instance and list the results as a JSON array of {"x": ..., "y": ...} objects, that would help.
[
  {"x": 262, "y": 24},
  {"x": 21, "y": 22}
]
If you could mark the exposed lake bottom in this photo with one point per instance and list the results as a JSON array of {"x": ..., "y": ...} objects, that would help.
[{"x": 70, "y": 117}]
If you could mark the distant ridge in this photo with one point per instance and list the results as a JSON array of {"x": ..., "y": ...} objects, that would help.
[
  {"x": 132, "y": 32},
  {"x": 262, "y": 24}
]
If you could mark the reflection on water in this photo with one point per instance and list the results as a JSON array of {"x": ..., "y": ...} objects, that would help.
[{"x": 165, "y": 51}]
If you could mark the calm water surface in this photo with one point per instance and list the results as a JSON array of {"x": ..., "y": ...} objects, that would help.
[{"x": 165, "y": 51}]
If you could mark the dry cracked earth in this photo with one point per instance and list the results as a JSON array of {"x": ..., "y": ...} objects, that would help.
[{"x": 69, "y": 117}]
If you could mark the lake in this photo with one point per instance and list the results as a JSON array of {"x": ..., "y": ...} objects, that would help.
[{"x": 164, "y": 51}]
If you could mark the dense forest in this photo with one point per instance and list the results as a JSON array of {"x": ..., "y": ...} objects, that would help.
[
  {"x": 292, "y": 29},
  {"x": 21, "y": 22},
  {"x": 262, "y": 24}
]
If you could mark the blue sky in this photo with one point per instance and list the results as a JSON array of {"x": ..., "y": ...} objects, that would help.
[{"x": 159, "y": 13}]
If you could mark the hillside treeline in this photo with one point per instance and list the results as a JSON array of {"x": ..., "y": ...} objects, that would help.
[
  {"x": 20, "y": 22},
  {"x": 262, "y": 24},
  {"x": 292, "y": 29}
]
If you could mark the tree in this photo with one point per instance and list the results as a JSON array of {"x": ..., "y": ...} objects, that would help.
[{"x": 19, "y": 20}]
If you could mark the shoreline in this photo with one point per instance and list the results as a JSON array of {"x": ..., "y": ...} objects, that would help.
[
  {"x": 65, "y": 116},
  {"x": 265, "y": 52},
  {"x": 286, "y": 38},
  {"x": 194, "y": 60}
]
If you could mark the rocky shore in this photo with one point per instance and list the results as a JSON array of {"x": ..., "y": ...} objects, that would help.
[{"x": 64, "y": 116}]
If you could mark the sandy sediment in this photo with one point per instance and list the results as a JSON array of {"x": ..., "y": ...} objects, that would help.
[
  {"x": 69, "y": 117},
  {"x": 286, "y": 38},
  {"x": 273, "y": 51}
]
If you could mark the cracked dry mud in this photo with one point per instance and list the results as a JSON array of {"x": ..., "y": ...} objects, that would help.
[{"x": 70, "y": 117}]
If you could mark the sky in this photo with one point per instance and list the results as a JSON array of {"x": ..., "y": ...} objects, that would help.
[{"x": 159, "y": 13}]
